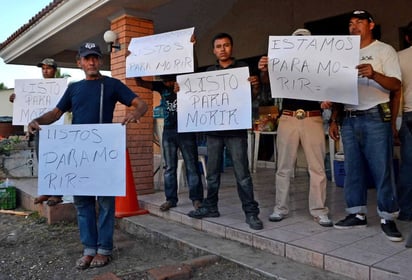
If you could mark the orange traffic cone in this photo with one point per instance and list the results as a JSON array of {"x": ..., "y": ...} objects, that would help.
[{"x": 128, "y": 205}]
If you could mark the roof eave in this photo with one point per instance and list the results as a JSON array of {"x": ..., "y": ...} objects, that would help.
[{"x": 40, "y": 28}]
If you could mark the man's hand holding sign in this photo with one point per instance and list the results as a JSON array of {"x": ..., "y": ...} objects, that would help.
[
  {"x": 160, "y": 54},
  {"x": 214, "y": 100},
  {"x": 314, "y": 67}
]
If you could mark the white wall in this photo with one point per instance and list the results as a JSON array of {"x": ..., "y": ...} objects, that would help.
[{"x": 6, "y": 108}]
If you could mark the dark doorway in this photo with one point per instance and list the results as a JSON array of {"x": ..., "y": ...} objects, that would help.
[
  {"x": 336, "y": 25},
  {"x": 403, "y": 44}
]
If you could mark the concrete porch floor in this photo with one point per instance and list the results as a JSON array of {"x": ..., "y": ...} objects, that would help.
[{"x": 355, "y": 253}]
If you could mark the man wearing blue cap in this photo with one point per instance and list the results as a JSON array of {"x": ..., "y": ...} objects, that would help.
[{"x": 82, "y": 98}]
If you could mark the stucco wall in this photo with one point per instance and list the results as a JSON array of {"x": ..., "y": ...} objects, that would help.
[
  {"x": 6, "y": 108},
  {"x": 251, "y": 22}
]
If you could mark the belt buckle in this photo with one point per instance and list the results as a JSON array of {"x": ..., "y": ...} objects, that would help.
[{"x": 300, "y": 114}]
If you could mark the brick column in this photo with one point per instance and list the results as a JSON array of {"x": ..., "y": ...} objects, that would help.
[{"x": 139, "y": 136}]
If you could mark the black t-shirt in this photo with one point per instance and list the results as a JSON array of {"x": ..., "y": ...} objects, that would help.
[
  {"x": 226, "y": 133},
  {"x": 170, "y": 100}
]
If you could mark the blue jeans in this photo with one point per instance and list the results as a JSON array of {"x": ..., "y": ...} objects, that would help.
[
  {"x": 367, "y": 141},
  {"x": 186, "y": 142},
  {"x": 237, "y": 147},
  {"x": 405, "y": 183},
  {"x": 96, "y": 234}
]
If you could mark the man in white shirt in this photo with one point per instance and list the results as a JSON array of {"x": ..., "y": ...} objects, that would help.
[{"x": 367, "y": 130}]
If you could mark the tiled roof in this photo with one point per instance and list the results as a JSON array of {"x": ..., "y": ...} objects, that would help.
[{"x": 32, "y": 21}]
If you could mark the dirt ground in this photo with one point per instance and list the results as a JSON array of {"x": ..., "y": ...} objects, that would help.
[{"x": 32, "y": 249}]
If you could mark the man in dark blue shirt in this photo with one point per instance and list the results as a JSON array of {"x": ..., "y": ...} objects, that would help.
[{"x": 85, "y": 99}]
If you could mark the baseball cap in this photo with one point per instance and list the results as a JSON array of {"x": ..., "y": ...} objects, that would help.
[
  {"x": 47, "y": 61},
  {"x": 89, "y": 49},
  {"x": 361, "y": 14},
  {"x": 301, "y": 32}
]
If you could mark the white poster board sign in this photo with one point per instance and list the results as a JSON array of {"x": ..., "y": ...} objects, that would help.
[
  {"x": 35, "y": 97},
  {"x": 314, "y": 67},
  {"x": 214, "y": 100},
  {"x": 166, "y": 53},
  {"x": 86, "y": 159}
]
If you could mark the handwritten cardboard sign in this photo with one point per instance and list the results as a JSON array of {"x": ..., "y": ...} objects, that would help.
[
  {"x": 214, "y": 100},
  {"x": 314, "y": 67},
  {"x": 86, "y": 159},
  {"x": 35, "y": 97},
  {"x": 166, "y": 53}
]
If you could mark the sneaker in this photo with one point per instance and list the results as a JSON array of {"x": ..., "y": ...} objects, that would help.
[
  {"x": 352, "y": 221},
  {"x": 204, "y": 212},
  {"x": 254, "y": 222},
  {"x": 324, "y": 221},
  {"x": 167, "y": 205},
  {"x": 390, "y": 230},
  {"x": 276, "y": 217},
  {"x": 197, "y": 204}
]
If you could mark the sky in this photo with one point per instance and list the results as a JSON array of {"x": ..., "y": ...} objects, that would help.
[{"x": 15, "y": 14}]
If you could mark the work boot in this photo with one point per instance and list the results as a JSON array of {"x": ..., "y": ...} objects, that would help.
[
  {"x": 167, "y": 205},
  {"x": 204, "y": 212},
  {"x": 254, "y": 222}
]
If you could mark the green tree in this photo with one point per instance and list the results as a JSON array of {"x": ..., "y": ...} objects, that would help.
[
  {"x": 3, "y": 86},
  {"x": 60, "y": 75}
]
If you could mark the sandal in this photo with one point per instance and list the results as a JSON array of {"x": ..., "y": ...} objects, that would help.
[
  {"x": 53, "y": 200},
  {"x": 40, "y": 199},
  {"x": 84, "y": 262},
  {"x": 100, "y": 260}
]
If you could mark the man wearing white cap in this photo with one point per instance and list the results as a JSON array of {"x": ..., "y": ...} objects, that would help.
[
  {"x": 301, "y": 32},
  {"x": 300, "y": 123}
]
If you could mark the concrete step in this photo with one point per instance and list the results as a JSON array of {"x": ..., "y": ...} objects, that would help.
[
  {"x": 26, "y": 189},
  {"x": 184, "y": 237}
]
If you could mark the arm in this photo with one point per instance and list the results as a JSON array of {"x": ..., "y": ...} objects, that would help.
[
  {"x": 46, "y": 118},
  {"x": 196, "y": 62},
  {"x": 12, "y": 97},
  {"x": 389, "y": 83},
  {"x": 135, "y": 115},
  {"x": 264, "y": 77},
  {"x": 263, "y": 67},
  {"x": 176, "y": 87},
  {"x": 337, "y": 109},
  {"x": 142, "y": 83},
  {"x": 255, "y": 83}
]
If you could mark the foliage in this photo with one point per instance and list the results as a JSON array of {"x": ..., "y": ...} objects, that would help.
[
  {"x": 6, "y": 145},
  {"x": 3, "y": 86},
  {"x": 60, "y": 75}
]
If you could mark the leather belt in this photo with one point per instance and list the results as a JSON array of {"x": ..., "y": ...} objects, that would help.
[
  {"x": 356, "y": 113},
  {"x": 301, "y": 114}
]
